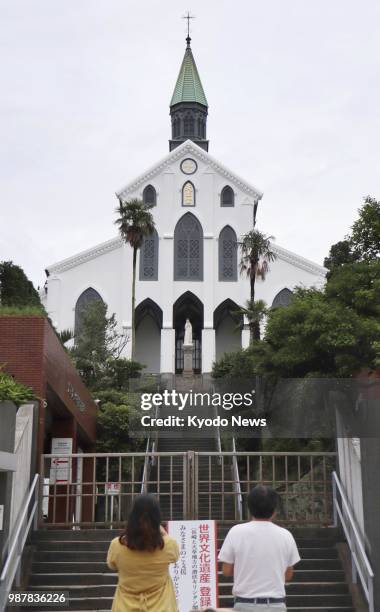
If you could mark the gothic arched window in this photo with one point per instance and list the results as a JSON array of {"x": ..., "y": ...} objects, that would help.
[
  {"x": 227, "y": 197},
  {"x": 283, "y": 298},
  {"x": 149, "y": 258},
  {"x": 188, "y": 249},
  {"x": 227, "y": 254},
  {"x": 89, "y": 296},
  {"x": 150, "y": 195},
  {"x": 188, "y": 194}
]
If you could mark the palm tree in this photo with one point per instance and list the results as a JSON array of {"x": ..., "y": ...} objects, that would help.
[
  {"x": 134, "y": 223},
  {"x": 253, "y": 311},
  {"x": 256, "y": 255}
]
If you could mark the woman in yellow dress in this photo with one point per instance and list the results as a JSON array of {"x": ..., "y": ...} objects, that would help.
[{"x": 141, "y": 557}]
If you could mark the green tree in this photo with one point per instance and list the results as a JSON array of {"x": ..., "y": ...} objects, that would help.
[
  {"x": 319, "y": 334},
  {"x": 12, "y": 391},
  {"x": 134, "y": 223},
  {"x": 331, "y": 332},
  {"x": 366, "y": 231},
  {"x": 15, "y": 288},
  {"x": 340, "y": 253},
  {"x": 118, "y": 372},
  {"x": 255, "y": 312},
  {"x": 363, "y": 244},
  {"x": 357, "y": 287},
  {"x": 117, "y": 415},
  {"x": 98, "y": 342},
  {"x": 237, "y": 365},
  {"x": 65, "y": 335},
  {"x": 256, "y": 255}
]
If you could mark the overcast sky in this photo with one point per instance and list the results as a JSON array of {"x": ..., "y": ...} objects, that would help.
[{"x": 294, "y": 107}]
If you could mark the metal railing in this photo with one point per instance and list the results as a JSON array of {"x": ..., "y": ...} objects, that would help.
[
  {"x": 302, "y": 481},
  {"x": 190, "y": 484},
  {"x": 108, "y": 486},
  {"x": 19, "y": 534},
  {"x": 359, "y": 561},
  {"x": 237, "y": 485}
]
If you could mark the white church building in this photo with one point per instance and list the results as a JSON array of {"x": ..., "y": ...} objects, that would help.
[{"x": 189, "y": 267}]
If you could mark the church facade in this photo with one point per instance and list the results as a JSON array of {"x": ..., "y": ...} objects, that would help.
[{"x": 189, "y": 267}]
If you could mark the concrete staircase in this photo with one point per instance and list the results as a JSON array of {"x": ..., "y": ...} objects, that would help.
[
  {"x": 218, "y": 504},
  {"x": 319, "y": 583},
  {"x": 74, "y": 561}
]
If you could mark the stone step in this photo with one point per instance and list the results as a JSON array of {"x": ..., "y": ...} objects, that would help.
[
  {"x": 83, "y": 552},
  {"x": 300, "y": 576},
  {"x": 53, "y": 566},
  {"x": 75, "y": 561},
  {"x": 108, "y": 589},
  {"x": 292, "y": 609},
  {"x": 301, "y": 602},
  {"x": 306, "y": 546}
]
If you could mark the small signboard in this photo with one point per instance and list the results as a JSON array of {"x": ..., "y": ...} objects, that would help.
[
  {"x": 112, "y": 488},
  {"x": 60, "y": 465},
  {"x": 195, "y": 575}
]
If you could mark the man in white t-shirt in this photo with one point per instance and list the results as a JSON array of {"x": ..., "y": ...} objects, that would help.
[{"x": 260, "y": 556}]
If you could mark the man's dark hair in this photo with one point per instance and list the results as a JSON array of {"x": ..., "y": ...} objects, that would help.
[{"x": 262, "y": 502}]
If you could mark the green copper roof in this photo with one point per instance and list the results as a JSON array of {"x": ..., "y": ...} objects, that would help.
[{"x": 188, "y": 87}]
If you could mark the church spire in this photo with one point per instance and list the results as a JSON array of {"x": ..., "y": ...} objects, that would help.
[{"x": 188, "y": 106}]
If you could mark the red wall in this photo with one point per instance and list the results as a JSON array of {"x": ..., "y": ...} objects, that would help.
[
  {"x": 32, "y": 353},
  {"x": 21, "y": 350}
]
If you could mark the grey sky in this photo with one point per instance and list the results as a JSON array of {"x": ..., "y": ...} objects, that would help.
[{"x": 293, "y": 88}]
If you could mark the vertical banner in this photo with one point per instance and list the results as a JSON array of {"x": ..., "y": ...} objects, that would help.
[{"x": 195, "y": 575}]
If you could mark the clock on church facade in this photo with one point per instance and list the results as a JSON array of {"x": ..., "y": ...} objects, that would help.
[{"x": 189, "y": 166}]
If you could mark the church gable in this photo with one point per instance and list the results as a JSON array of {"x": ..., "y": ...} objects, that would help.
[{"x": 189, "y": 149}]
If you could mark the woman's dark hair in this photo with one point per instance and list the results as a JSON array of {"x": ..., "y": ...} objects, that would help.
[
  {"x": 262, "y": 502},
  {"x": 143, "y": 530}
]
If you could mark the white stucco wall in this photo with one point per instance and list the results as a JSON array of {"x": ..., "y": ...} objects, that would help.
[{"x": 107, "y": 268}]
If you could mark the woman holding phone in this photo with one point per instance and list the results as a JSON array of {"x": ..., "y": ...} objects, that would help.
[{"x": 141, "y": 557}]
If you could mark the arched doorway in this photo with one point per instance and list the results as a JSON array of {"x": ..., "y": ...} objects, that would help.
[
  {"x": 188, "y": 306},
  {"x": 227, "y": 324},
  {"x": 148, "y": 335}
]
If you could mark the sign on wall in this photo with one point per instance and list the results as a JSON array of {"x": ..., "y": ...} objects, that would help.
[
  {"x": 60, "y": 465},
  {"x": 195, "y": 575},
  {"x": 113, "y": 488}
]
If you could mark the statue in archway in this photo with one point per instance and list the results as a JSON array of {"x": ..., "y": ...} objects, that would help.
[{"x": 188, "y": 340}]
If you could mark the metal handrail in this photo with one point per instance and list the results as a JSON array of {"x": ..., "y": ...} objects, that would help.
[
  {"x": 269, "y": 453},
  {"x": 145, "y": 475},
  {"x": 237, "y": 484},
  {"x": 354, "y": 541},
  {"x": 149, "y": 460},
  {"x": 17, "y": 541}
]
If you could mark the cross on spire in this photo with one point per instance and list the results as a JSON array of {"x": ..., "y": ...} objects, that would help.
[{"x": 188, "y": 17}]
